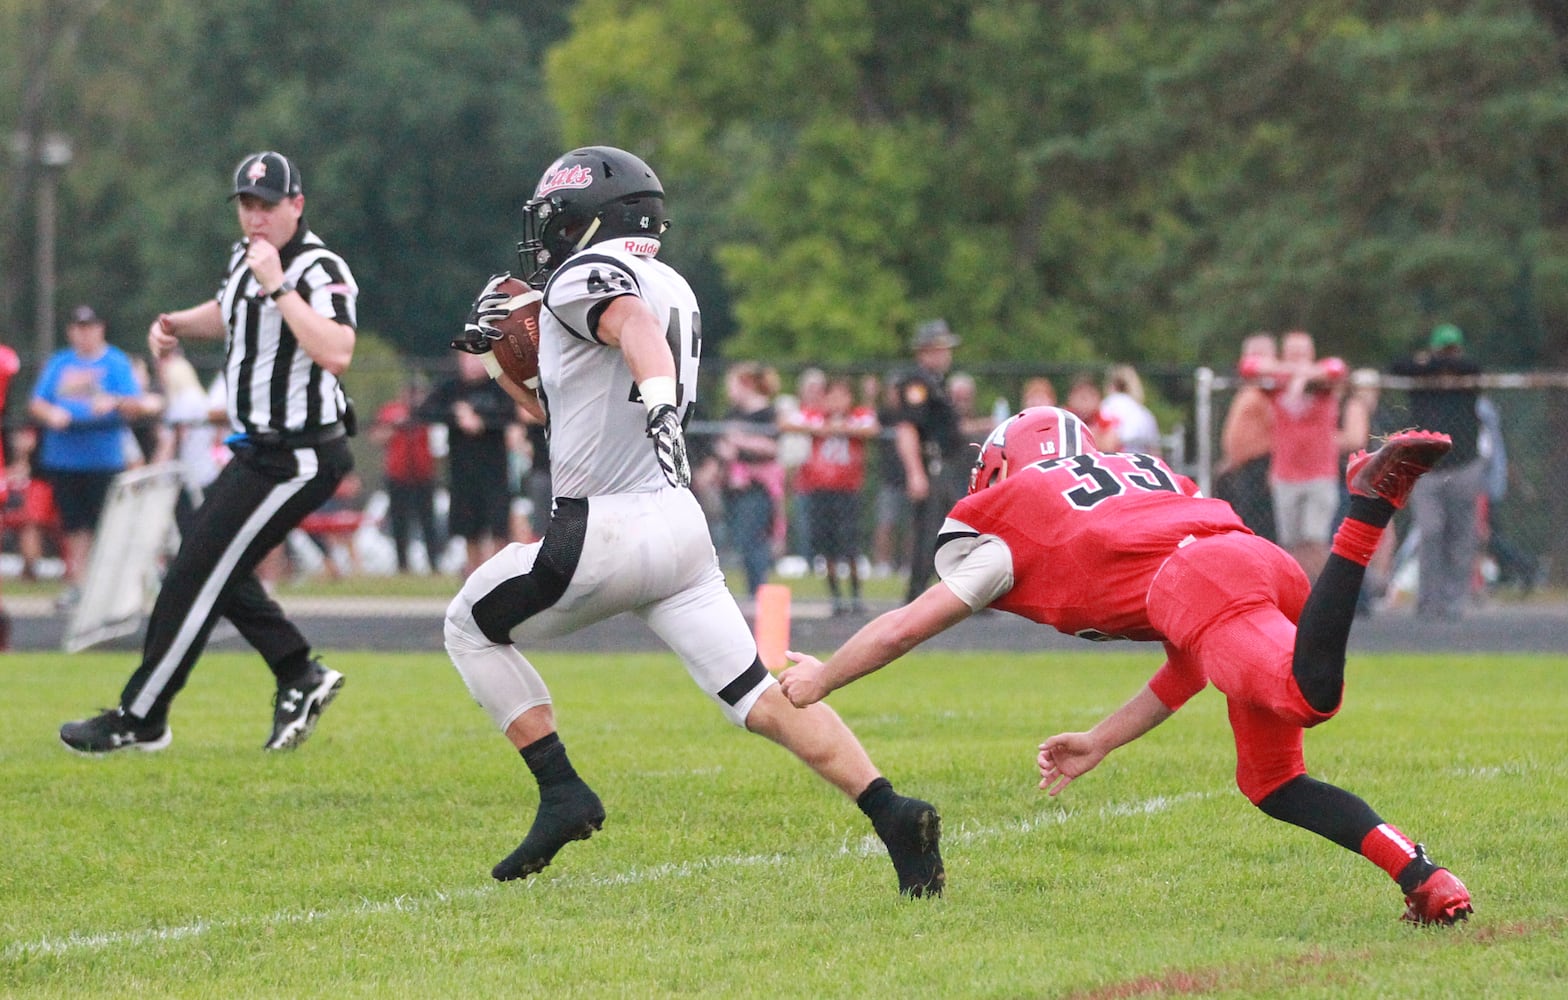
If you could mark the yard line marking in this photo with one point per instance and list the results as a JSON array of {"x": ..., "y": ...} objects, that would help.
[{"x": 76, "y": 942}]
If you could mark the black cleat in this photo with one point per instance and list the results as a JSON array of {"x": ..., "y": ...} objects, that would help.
[
  {"x": 296, "y": 708},
  {"x": 566, "y": 813},
  {"x": 912, "y": 831},
  {"x": 112, "y": 730}
]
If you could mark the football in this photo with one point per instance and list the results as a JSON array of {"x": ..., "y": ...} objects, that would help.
[{"x": 517, "y": 351}]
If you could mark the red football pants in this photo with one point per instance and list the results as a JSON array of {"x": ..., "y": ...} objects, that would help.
[{"x": 1228, "y": 606}]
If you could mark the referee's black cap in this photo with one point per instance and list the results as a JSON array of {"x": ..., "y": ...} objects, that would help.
[{"x": 267, "y": 175}]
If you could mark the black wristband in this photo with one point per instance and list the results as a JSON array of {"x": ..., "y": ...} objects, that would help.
[{"x": 280, "y": 291}]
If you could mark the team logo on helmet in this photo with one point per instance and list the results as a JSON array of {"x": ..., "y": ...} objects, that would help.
[
  {"x": 257, "y": 170},
  {"x": 561, "y": 178}
]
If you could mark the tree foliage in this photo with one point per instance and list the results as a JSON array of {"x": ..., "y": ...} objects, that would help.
[
  {"x": 1065, "y": 181},
  {"x": 418, "y": 127},
  {"x": 1073, "y": 180}
]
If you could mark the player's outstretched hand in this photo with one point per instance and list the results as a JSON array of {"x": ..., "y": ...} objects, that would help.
[
  {"x": 1066, "y": 756},
  {"x": 802, "y": 684},
  {"x": 669, "y": 445},
  {"x": 479, "y": 329}
]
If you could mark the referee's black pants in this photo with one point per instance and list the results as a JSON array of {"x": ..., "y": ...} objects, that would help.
[{"x": 258, "y": 498}]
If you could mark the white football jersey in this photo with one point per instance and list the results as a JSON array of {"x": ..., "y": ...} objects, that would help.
[{"x": 598, "y": 439}]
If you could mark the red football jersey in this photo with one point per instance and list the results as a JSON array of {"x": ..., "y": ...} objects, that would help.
[{"x": 1086, "y": 536}]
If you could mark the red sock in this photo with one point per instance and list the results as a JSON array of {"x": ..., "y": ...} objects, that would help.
[
  {"x": 1389, "y": 849},
  {"x": 1356, "y": 541}
]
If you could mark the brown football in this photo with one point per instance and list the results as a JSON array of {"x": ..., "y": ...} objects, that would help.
[{"x": 517, "y": 351}]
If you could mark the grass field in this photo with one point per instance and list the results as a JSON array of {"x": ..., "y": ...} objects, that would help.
[{"x": 358, "y": 866}]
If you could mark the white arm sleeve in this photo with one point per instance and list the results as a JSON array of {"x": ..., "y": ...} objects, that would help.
[{"x": 976, "y": 568}]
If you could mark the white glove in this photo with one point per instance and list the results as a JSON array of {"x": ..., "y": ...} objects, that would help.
[
  {"x": 669, "y": 445},
  {"x": 479, "y": 329}
]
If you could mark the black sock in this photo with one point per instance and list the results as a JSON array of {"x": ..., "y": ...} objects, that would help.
[
  {"x": 546, "y": 758},
  {"x": 1326, "y": 810},
  {"x": 1370, "y": 510},
  {"x": 877, "y": 798}
]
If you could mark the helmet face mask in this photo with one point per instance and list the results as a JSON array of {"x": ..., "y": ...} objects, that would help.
[
  {"x": 587, "y": 196},
  {"x": 1033, "y": 435}
]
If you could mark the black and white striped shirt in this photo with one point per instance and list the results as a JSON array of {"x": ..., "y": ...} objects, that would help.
[{"x": 273, "y": 385}]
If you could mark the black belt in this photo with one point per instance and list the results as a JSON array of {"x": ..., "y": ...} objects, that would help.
[{"x": 312, "y": 438}]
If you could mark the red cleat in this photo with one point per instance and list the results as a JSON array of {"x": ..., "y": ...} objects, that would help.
[
  {"x": 1391, "y": 471},
  {"x": 1441, "y": 899}
]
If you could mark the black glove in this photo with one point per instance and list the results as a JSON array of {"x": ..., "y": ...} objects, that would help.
[
  {"x": 669, "y": 445},
  {"x": 479, "y": 329}
]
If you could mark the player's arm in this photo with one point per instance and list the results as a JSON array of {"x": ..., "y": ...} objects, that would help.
[
  {"x": 628, "y": 323},
  {"x": 522, "y": 396},
  {"x": 1066, "y": 756},
  {"x": 883, "y": 640}
]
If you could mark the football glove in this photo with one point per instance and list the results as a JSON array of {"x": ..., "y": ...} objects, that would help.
[
  {"x": 669, "y": 445},
  {"x": 479, "y": 329}
]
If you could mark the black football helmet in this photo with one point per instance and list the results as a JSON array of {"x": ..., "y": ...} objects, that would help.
[{"x": 587, "y": 196}]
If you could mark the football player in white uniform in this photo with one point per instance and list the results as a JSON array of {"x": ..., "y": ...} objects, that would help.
[{"x": 619, "y": 344}]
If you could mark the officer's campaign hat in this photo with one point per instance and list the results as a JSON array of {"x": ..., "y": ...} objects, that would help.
[{"x": 934, "y": 333}]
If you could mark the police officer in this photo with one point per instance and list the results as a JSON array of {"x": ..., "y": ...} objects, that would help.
[
  {"x": 286, "y": 307},
  {"x": 929, "y": 446}
]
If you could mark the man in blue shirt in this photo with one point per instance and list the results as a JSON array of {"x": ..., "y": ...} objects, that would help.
[{"x": 81, "y": 400}]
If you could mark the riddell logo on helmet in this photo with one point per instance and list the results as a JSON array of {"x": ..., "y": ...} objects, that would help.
[{"x": 575, "y": 176}]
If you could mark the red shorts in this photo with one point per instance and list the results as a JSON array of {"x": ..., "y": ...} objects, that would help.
[
  {"x": 1227, "y": 606},
  {"x": 38, "y": 504}
]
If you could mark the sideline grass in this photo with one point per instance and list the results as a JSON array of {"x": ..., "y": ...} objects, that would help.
[{"x": 358, "y": 866}]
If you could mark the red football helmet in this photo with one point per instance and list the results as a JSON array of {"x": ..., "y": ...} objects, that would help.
[{"x": 1033, "y": 435}]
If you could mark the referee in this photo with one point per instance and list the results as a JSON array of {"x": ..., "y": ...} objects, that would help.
[{"x": 286, "y": 307}]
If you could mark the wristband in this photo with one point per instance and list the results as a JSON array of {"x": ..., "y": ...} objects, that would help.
[
  {"x": 657, "y": 391},
  {"x": 492, "y": 365}
]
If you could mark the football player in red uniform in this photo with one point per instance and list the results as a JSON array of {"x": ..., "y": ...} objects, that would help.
[{"x": 1117, "y": 545}]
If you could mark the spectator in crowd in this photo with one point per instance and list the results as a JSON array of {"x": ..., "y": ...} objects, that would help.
[
  {"x": 536, "y": 481},
  {"x": 973, "y": 425},
  {"x": 1038, "y": 391},
  {"x": 794, "y": 448},
  {"x": 408, "y": 470},
  {"x": 1247, "y": 439},
  {"x": 753, "y": 477},
  {"x": 833, "y": 476},
  {"x": 1444, "y": 504},
  {"x": 1515, "y": 566},
  {"x": 476, "y": 412},
  {"x": 10, "y": 364},
  {"x": 144, "y": 425},
  {"x": 1358, "y": 423},
  {"x": 1084, "y": 400},
  {"x": 892, "y": 514},
  {"x": 930, "y": 446},
  {"x": 1304, "y": 463},
  {"x": 32, "y": 499},
  {"x": 189, "y": 434},
  {"x": 83, "y": 399},
  {"x": 1123, "y": 409}
]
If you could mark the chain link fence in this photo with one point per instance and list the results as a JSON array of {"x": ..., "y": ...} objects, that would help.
[{"x": 1527, "y": 546}]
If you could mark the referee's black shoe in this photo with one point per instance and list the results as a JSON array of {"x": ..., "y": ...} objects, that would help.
[
  {"x": 112, "y": 730},
  {"x": 296, "y": 707}
]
